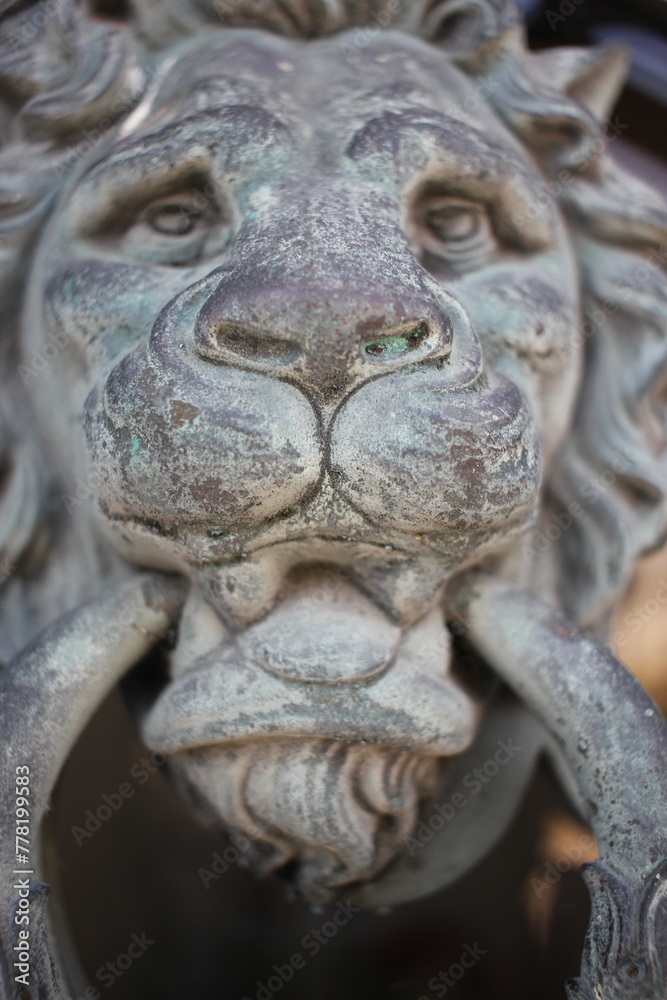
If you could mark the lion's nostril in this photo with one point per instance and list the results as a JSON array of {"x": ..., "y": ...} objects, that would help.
[
  {"x": 254, "y": 345},
  {"x": 397, "y": 341}
]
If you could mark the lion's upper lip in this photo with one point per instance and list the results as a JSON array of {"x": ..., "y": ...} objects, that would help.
[
  {"x": 242, "y": 573},
  {"x": 216, "y": 544}
]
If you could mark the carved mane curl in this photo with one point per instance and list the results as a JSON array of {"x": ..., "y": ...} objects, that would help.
[{"x": 67, "y": 73}]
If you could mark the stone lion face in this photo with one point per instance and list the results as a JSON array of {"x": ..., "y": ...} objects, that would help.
[{"x": 323, "y": 358}]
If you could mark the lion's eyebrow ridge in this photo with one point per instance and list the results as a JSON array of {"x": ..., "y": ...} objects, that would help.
[
  {"x": 421, "y": 129},
  {"x": 236, "y": 127}
]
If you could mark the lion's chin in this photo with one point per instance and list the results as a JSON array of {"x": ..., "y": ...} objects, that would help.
[{"x": 325, "y": 811}]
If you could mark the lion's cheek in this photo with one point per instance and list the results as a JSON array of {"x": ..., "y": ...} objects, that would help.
[
  {"x": 426, "y": 459},
  {"x": 223, "y": 447}
]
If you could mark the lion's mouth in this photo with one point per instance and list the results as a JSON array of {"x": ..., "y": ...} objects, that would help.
[
  {"x": 327, "y": 662},
  {"x": 215, "y": 544},
  {"x": 317, "y": 730},
  {"x": 242, "y": 571}
]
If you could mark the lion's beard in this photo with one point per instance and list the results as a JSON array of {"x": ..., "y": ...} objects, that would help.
[{"x": 332, "y": 812}]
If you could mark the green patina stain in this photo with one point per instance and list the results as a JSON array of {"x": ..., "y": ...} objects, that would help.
[
  {"x": 388, "y": 347},
  {"x": 136, "y": 449}
]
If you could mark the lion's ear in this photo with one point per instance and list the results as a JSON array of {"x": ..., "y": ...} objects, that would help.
[{"x": 593, "y": 77}]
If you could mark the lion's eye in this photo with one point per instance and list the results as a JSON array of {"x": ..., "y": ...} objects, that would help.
[
  {"x": 458, "y": 232},
  {"x": 173, "y": 219},
  {"x": 455, "y": 225},
  {"x": 177, "y": 231}
]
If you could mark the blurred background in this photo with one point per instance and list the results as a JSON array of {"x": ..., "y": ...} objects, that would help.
[{"x": 524, "y": 907}]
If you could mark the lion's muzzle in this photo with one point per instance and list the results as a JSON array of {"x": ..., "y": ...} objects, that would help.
[{"x": 339, "y": 373}]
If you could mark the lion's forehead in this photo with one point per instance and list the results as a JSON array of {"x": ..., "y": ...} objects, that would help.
[
  {"x": 309, "y": 90},
  {"x": 252, "y": 62}
]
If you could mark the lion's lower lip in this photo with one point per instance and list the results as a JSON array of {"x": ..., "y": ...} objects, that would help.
[
  {"x": 411, "y": 703},
  {"x": 228, "y": 705}
]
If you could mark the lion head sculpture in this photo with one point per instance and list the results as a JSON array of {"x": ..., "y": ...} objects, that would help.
[{"x": 319, "y": 306}]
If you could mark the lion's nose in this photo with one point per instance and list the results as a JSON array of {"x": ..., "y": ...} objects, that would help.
[{"x": 327, "y": 339}]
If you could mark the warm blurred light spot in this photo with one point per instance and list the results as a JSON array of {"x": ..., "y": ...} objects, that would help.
[
  {"x": 639, "y": 628},
  {"x": 564, "y": 845}
]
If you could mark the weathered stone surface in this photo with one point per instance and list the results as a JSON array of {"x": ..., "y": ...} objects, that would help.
[{"x": 313, "y": 309}]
